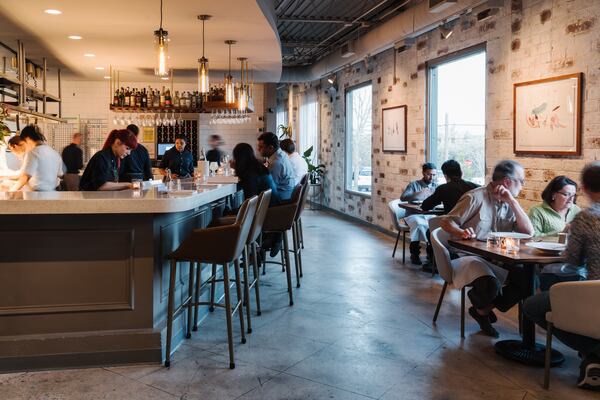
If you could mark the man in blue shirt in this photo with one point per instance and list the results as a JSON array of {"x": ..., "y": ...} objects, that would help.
[{"x": 278, "y": 164}]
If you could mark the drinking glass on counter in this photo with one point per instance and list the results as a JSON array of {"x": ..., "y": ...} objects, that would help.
[
  {"x": 136, "y": 184},
  {"x": 213, "y": 166}
]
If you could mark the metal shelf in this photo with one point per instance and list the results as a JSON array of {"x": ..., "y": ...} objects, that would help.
[
  {"x": 207, "y": 107},
  {"x": 25, "y": 111}
]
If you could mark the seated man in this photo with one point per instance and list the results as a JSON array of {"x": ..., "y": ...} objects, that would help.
[
  {"x": 583, "y": 247},
  {"x": 419, "y": 190},
  {"x": 449, "y": 193},
  {"x": 488, "y": 209},
  {"x": 278, "y": 163}
]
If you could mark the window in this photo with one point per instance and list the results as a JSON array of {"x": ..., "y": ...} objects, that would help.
[
  {"x": 308, "y": 134},
  {"x": 457, "y": 113},
  {"x": 359, "y": 112},
  {"x": 281, "y": 118}
]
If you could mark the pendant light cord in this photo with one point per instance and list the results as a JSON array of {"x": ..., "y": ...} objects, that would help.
[
  {"x": 202, "y": 38},
  {"x": 229, "y": 58},
  {"x": 161, "y": 10}
]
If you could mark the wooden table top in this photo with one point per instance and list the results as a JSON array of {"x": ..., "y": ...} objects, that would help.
[
  {"x": 526, "y": 255},
  {"x": 416, "y": 209}
]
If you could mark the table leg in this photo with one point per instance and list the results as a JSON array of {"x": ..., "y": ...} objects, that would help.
[{"x": 527, "y": 351}]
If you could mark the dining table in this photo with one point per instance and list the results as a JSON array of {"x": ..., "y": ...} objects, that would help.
[
  {"x": 415, "y": 208},
  {"x": 526, "y": 350}
]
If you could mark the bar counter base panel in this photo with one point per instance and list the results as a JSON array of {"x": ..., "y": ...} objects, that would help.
[{"x": 516, "y": 350}]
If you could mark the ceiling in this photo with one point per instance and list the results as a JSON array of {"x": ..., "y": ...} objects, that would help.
[
  {"x": 120, "y": 33},
  {"x": 311, "y": 29}
]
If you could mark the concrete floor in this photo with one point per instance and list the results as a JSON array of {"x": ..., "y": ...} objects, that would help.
[{"x": 360, "y": 329}]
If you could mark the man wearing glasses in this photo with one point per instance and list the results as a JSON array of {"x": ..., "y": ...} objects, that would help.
[{"x": 492, "y": 208}]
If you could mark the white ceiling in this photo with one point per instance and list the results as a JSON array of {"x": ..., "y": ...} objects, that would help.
[{"x": 120, "y": 33}]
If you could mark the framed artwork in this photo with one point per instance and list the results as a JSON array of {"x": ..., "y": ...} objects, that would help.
[
  {"x": 547, "y": 116},
  {"x": 393, "y": 129}
]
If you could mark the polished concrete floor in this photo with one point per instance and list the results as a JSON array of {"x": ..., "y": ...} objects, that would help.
[{"x": 360, "y": 329}]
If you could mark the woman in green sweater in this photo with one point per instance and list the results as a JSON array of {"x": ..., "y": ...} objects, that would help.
[{"x": 552, "y": 217}]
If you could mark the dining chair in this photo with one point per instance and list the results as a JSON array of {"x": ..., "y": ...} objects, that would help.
[
  {"x": 439, "y": 241},
  {"x": 584, "y": 319},
  {"x": 398, "y": 214},
  {"x": 434, "y": 223}
]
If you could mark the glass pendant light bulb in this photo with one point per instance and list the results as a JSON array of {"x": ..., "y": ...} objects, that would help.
[
  {"x": 229, "y": 87},
  {"x": 161, "y": 48},
  {"x": 203, "y": 82},
  {"x": 161, "y": 39}
]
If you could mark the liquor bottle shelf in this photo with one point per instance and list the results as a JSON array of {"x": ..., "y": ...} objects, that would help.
[{"x": 207, "y": 107}]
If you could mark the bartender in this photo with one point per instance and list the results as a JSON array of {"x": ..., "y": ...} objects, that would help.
[
  {"x": 104, "y": 168},
  {"x": 178, "y": 160},
  {"x": 138, "y": 164}
]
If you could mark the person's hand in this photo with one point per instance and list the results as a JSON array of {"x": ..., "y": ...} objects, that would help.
[
  {"x": 468, "y": 233},
  {"x": 503, "y": 194},
  {"x": 174, "y": 176}
]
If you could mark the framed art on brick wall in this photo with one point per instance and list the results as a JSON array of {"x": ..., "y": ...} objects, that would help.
[
  {"x": 393, "y": 129},
  {"x": 547, "y": 116}
]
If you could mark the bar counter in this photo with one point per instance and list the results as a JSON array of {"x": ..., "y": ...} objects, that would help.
[{"x": 83, "y": 275}]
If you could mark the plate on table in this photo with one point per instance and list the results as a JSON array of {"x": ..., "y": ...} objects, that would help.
[
  {"x": 547, "y": 247},
  {"x": 418, "y": 202},
  {"x": 513, "y": 235}
]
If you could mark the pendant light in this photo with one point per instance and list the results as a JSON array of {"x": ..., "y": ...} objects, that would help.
[
  {"x": 229, "y": 89},
  {"x": 161, "y": 38},
  {"x": 203, "y": 84},
  {"x": 243, "y": 90}
]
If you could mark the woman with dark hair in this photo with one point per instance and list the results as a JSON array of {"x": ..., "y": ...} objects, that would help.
[
  {"x": 552, "y": 217},
  {"x": 254, "y": 177},
  {"x": 104, "y": 168},
  {"x": 557, "y": 209},
  {"x": 42, "y": 167}
]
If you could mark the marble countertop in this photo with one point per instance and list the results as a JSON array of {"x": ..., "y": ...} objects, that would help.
[{"x": 154, "y": 200}]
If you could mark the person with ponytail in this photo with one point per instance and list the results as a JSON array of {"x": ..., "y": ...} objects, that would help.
[
  {"x": 104, "y": 168},
  {"x": 42, "y": 167}
]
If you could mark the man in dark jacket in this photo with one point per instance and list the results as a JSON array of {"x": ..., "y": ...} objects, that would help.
[{"x": 449, "y": 193}]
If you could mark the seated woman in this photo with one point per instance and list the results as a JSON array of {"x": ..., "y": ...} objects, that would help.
[
  {"x": 43, "y": 166},
  {"x": 178, "y": 160},
  {"x": 104, "y": 168},
  {"x": 18, "y": 147},
  {"x": 552, "y": 217},
  {"x": 254, "y": 177},
  {"x": 583, "y": 247}
]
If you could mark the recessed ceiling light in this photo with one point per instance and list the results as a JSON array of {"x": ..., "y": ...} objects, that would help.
[
  {"x": 75, "y": 37},
  {"x": 99, "y": 68},
  {"x": 89, "y": 55},
  {"x": 107, "y": 77},
  {"x": 165, "y": 78},
  {"x": 52, "y": 11}
]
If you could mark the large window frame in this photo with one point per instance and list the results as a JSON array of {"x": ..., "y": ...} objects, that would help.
[
  {"x": 309, "y": 124},
  {"x": 348, "y": 141},
  {"x": 432, "y": 89}
]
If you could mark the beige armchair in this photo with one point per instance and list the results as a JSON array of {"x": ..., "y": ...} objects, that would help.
[{"x": 575, "y": 310}]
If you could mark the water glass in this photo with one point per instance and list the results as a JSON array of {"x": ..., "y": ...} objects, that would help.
[
  {"x": 136, "y": 184},
  {"x": 491, "y": 241}
]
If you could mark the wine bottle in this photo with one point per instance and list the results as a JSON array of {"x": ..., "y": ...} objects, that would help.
[
  {"x": 127, "y": 97},
  {"x": 162, "y": 97}
]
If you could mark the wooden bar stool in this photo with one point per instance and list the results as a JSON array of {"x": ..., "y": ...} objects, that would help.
[
  {"x": 250, "y": 251},
  {"x": 218, "y": 245}
]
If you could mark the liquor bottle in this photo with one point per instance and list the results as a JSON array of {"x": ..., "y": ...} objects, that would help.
[
  {"x": 127, "y": 97},
  {"x": 132, "y": 99},
  {"x": 168, "y": 99},
  {"x": 162, "y": 97},
  {"x": 156, "y": 101},
  {"x": 116, "y": 98},
  {"x": 144, "y": 99},
  {"x": 176, "y": 100}
]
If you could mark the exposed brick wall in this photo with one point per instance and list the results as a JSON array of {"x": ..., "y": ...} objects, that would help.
[{"x": 526, "y": 40}]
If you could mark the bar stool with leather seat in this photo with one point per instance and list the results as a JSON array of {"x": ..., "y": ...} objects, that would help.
[
  {"x": 297, "y": 229},
  {"x": 250, "y": 252},
  {"x": 280, "y": 220},
  {"x": 216, "y": 245}
]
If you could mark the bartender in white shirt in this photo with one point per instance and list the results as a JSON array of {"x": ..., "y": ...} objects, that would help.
[
  {"x": 298, "y": 163},
  {"x": 43, "y": 166}
]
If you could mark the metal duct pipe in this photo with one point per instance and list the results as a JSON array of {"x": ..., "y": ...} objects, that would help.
[{"x": 412, "y": 22}]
